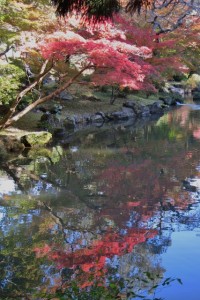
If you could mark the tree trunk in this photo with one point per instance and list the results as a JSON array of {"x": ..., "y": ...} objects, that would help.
[
  {"x": 15, "y": 103},
  {"x": 9, "y": 121}
]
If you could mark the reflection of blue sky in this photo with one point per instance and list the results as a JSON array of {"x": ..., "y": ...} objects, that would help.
[
  {"x": 41, "y": 186},
  {"x": 11, "y": 218},
  {"x": 1, "y": 215},
  {"x": 7, "y": 186},
  {"x": 78, "y": 239},
  {"x": 74, "y": 149},
  {"x": 182, "y": 260},
  {"x": 195, "y": 182},
  {"x": 192, "y": 106},
  {"x": 52, "y": 275}
]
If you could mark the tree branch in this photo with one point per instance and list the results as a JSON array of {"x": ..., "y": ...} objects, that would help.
[
  {"x": 166, "y": 16},
  {"x": 11, "y": 120},
  {"x": 8, "y": 47},
  {"x": 42, "y": 74}
]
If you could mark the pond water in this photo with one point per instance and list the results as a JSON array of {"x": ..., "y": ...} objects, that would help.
[{"x": 106, "y": 213}]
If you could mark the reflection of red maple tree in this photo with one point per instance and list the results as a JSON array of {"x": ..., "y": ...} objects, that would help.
[
  {"x": 182, "y": 117},
  {"x": 93, "y": 259},
  {"x": 147, "y": 185},
  {"x": 138, "y": 180}
]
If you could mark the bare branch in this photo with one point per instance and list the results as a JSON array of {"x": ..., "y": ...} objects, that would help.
[{"x": 168, "y": 15}]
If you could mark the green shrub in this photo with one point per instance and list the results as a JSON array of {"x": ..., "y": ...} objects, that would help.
[
  {"x": 11, "y": 80},
  {"x": 193, "y": 81}
]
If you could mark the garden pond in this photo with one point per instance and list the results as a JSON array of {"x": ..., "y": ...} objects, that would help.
[{"x": 108, "y": 213}]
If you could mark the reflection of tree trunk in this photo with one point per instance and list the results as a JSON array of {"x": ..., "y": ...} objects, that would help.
[
  {"x": 59, "y": 221},
  {"x": 11, "y": 171}
]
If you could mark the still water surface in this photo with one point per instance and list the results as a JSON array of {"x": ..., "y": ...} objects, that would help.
[{"x": 115, "y": 207}]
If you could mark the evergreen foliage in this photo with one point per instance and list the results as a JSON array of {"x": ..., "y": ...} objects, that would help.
[{"x": 11, "y": 80}]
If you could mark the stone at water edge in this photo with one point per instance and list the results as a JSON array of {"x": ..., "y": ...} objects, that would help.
[
  {"x": 124, "y": 114},
  {"x": 156, "y": 107},
  {"x": 168, "y": 100},
  {"x": 66, "y": 96},
  {"x": 36, "y": 139},
  {"x": 196, "y": 93},
  {"x": 138, "y": 108},
  {"x": 11, "y": 144}
]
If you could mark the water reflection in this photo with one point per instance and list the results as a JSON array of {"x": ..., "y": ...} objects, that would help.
[{"x": 101, "y": 212}]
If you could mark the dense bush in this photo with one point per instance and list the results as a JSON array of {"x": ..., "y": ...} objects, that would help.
[{"x": 12, "y": 78}]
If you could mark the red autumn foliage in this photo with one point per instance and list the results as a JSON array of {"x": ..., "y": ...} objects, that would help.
[
  {"x": 107, "y": 50},
  {"x": 110, "y": 62},
  {"x": 119, "y": 51}
]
